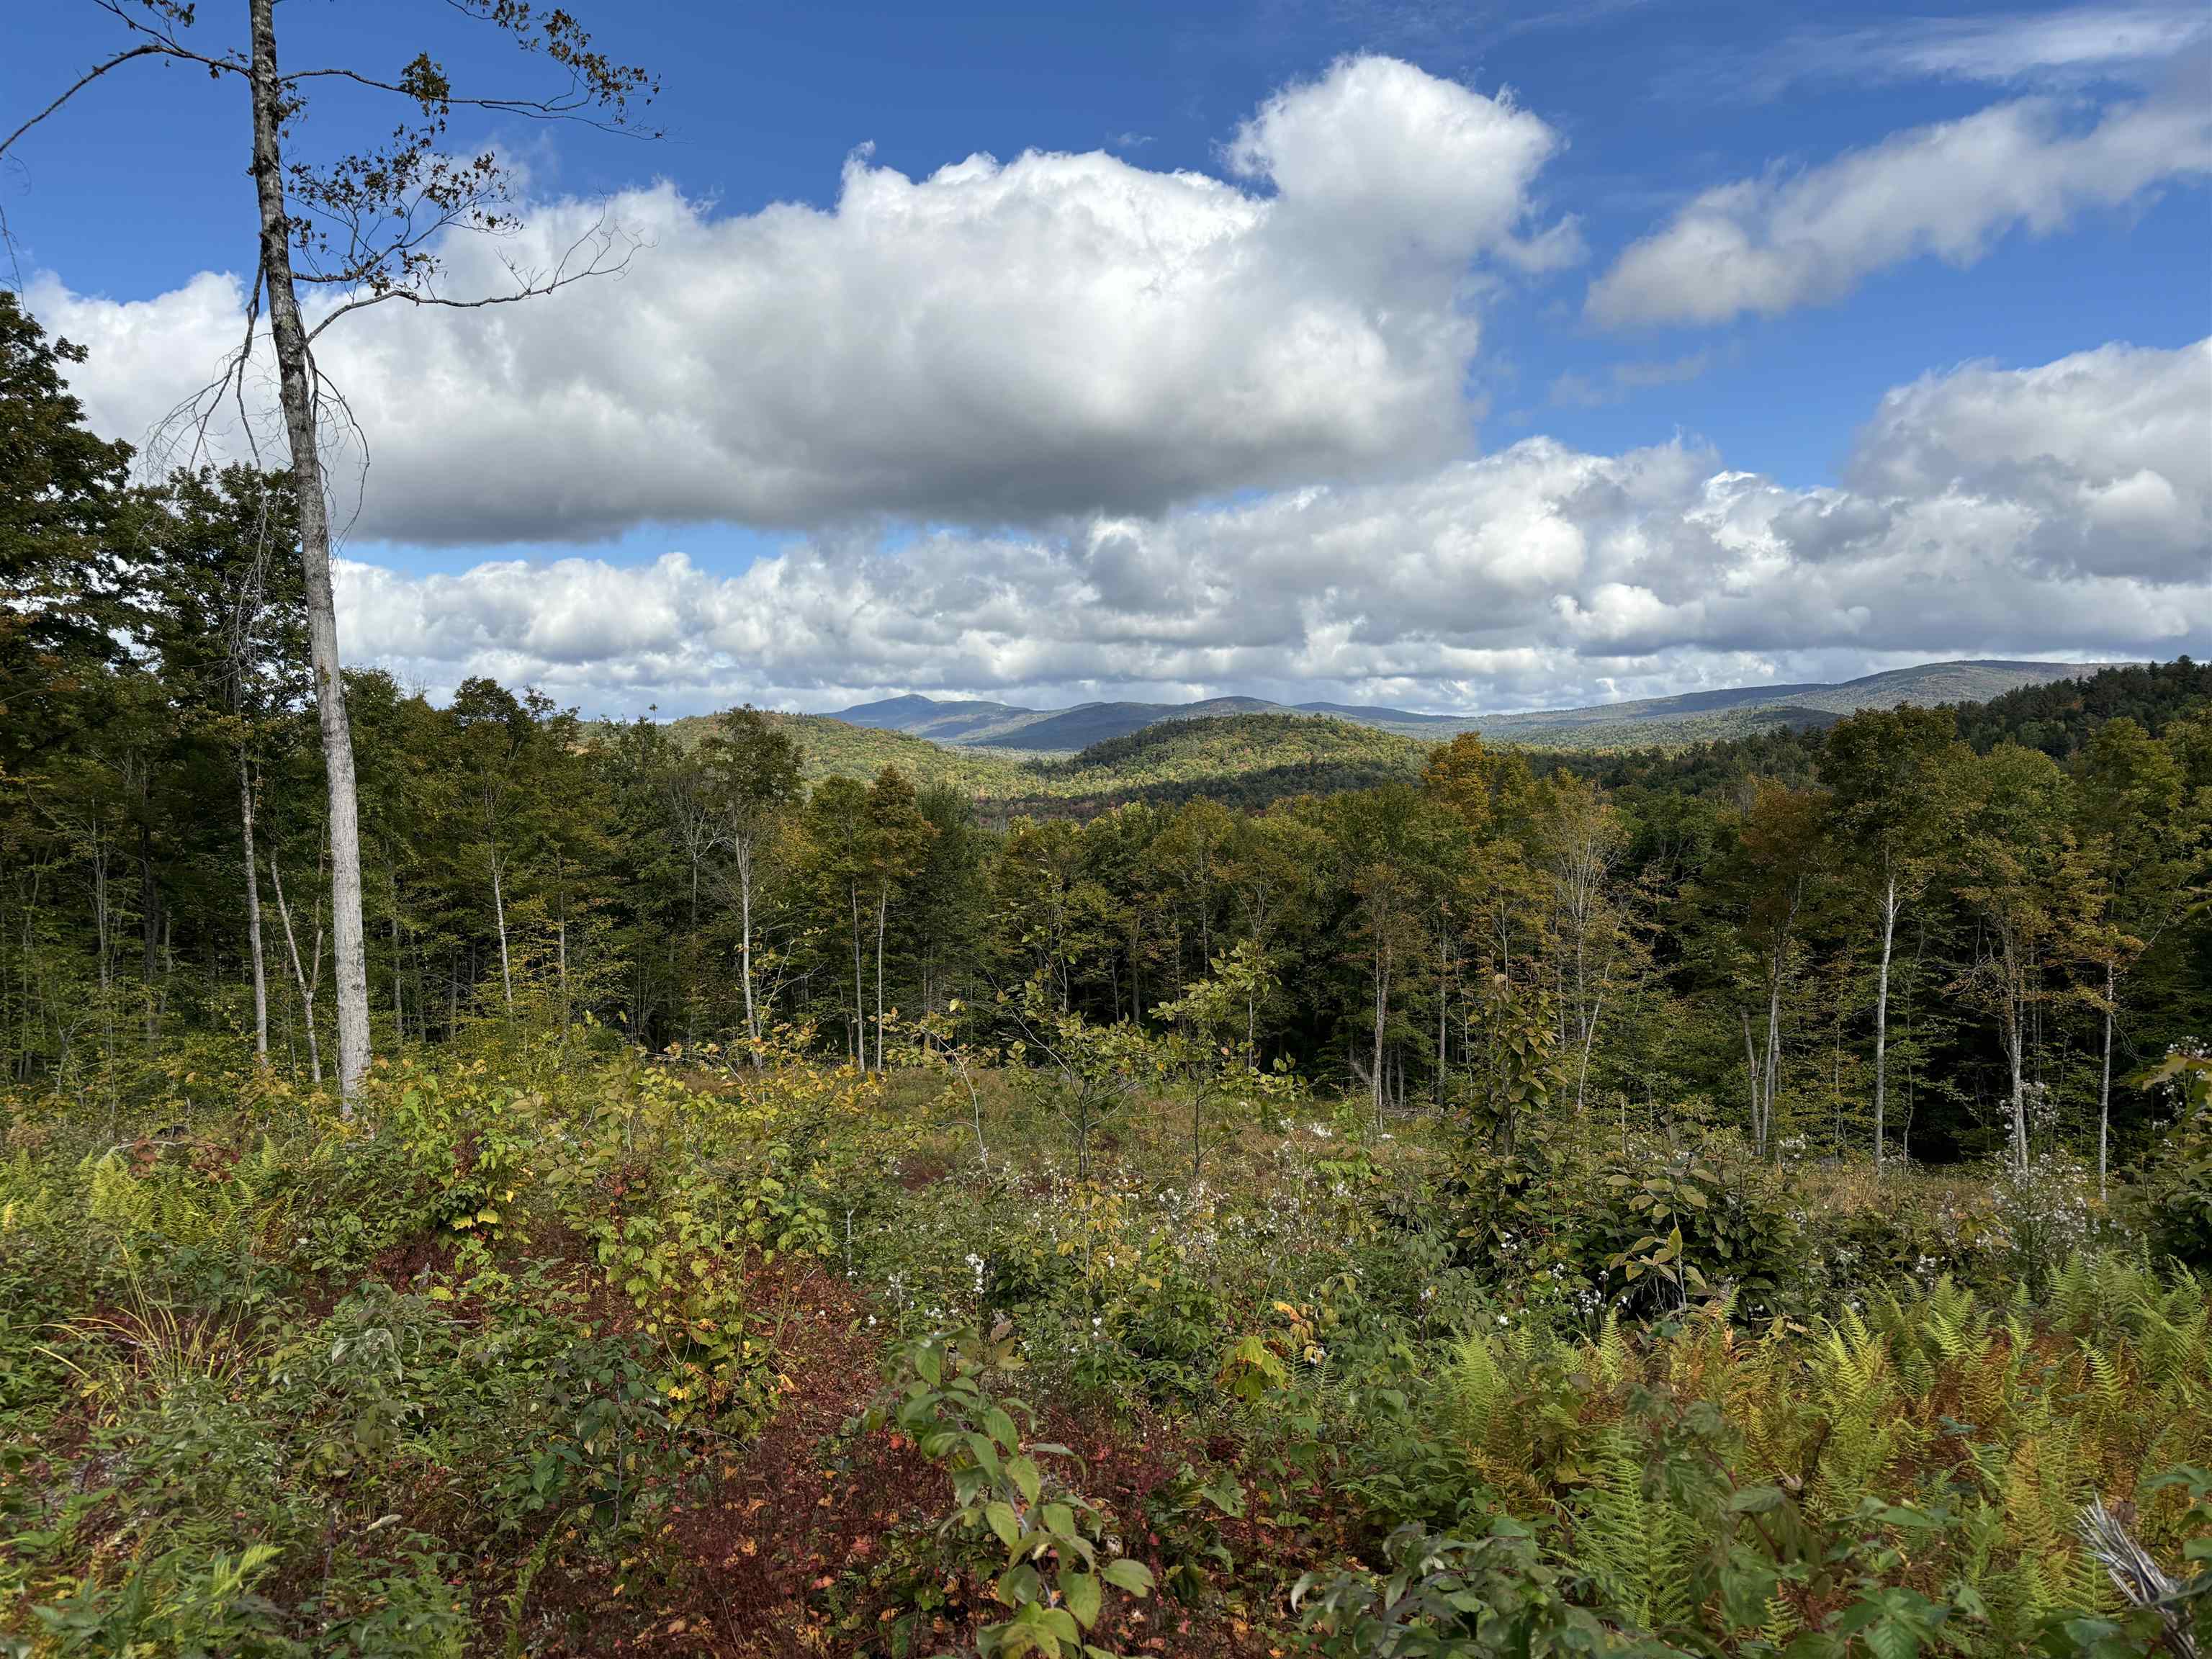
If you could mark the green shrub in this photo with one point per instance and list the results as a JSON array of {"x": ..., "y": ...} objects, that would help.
[{"x": 1057, "y": 1562}]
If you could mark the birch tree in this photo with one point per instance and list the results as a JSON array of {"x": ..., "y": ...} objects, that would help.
[
  {"x": 752, "y": 770},
  {"x": 366, "y": 228},
  {"x": 2137, "y": 843},
  {"x": 1772, "y": 880},
  {"x": 496, "y": 730},
  {"x": 895, "y": 838},
  {"x": 1390, "y": 842},
  {"x": 1583, "y": 840},
  {"x": 1887, "y": 769},
  {"x": 228, "y": 636},
  {"x": 2021, "y": 880}
]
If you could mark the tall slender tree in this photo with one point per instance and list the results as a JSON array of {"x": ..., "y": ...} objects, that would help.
[
  {"x": 226, "y": 627},
  {"x": 367, "y": 227},
  {"x": 896, "y": 839},
  {"x": 2137, "y": 844},
  {"x": 1890, "y": 823},
  {"x": 1771, "y": 880},
  {"x": 752, "y": 768},
  {"x": 2020, "y": 876},
  {"x": 1583, "y": 840}
]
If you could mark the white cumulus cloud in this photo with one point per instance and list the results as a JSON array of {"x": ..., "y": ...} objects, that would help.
[
  {"x": 2054, "y": 511},
  {"x": 1788, "y": 239},
  {"x": 997, "y": 342}
]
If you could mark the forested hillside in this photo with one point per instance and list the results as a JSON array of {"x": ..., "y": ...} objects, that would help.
[
  {"x": 1691, "y": 717},
  {"x": 831, "y": 748},
  {"x": 819, "y": 1192},
  {"x": 1653, "y": 910}
]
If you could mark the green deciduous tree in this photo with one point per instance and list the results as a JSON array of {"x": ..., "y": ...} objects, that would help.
[
  {"x": 1888, "y": 771},
  {"x": 2137, "y": 843}
]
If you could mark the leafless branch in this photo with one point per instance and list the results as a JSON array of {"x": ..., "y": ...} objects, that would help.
[
  {"x": 329, "y": 398},
  {"x": 601, "y": 240},
  {"x": 158, "y": 44},
  {"x": 186, "y": 427},
  {"x": 150, "y": 50},
  {"x": 565, "y": 106}
]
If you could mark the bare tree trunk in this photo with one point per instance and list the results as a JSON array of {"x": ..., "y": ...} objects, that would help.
[
  {"x": 309, "y": 984},
  {"x": 253, "y": 913},
  {"x": 1589, "y": 1038},
  {"x": 399, "y": 966},
  {"x": 2013, "y": 997},
  {"x": 101, "y": 924},
  {"x": 295, "y": 372},
  {"x": 150, "y": 917},
  {"x": 745, "y": 857},
  {"x": 1771, "y": 1141},
  {"x": 1751, "y": 1070},
  {"x": 1443, "y": 1055},
  {"x": 883, "y": 907},
  {"x": 1881, "y": 1017},
  {"x": 499, "y": 915},
  {"x": 1381, "y": 1017},
  {"x": 2105, "y": 1086},
  {"x": 859, "y": 988},
  {"x": 1136, "y": 972}
]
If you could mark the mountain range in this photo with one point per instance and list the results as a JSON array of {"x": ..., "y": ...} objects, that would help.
[{"x": 1690, "y": 717}]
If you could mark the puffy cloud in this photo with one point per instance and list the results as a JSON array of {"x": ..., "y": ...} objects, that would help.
[
  {"x": 1539, "y": 574},
  {"x": 1770, "y": 244},
  {"x": 148, "y": 356},
  {"x": 1379, "y": 148},
  {"x": 2109, "y": 448},
  {"x": 997, "y": 342}
]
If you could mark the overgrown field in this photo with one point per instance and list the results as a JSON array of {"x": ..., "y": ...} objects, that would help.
[{"x": 684, "y": 1356}]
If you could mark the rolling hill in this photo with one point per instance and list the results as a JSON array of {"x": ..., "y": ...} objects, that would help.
[
  {"x": 1244, "y": 756},
  {"x": 1249, "y": 752},
  {"x": 1692, "y": 717}
]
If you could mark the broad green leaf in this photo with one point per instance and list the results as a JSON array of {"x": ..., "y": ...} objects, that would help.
[
  {"x": 1079, "y": 1592},
  {"x": 1124, "y": 1574}
]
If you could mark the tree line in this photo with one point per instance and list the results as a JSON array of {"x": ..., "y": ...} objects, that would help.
[{"x": 1880, "y": 939}]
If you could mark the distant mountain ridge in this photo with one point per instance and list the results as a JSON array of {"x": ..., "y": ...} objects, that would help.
[{"x": 1688, "y": 717}]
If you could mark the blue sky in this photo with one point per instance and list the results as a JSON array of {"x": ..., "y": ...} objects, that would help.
[{"x": 1568, "y": 371}]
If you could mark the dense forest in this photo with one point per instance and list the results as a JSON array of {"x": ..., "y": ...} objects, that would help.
[
  {"x": 1744, "y": 1198},
  {"x": 1920, "y": 927}
]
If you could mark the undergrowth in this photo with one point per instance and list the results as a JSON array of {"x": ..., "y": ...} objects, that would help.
[{"x": 473, "y": 1368}]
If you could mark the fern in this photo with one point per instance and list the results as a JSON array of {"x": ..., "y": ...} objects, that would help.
[
  {"x": 115, "y": 1198},
  {"x": 1473, "y": 1390},
  {"x": 1631, "y": 1540},
  {"x": 1854, "y": 1384},
  {"x": 1781, "y": 1624},
  {"x": 1613, "y": 1358}
]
